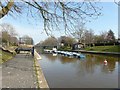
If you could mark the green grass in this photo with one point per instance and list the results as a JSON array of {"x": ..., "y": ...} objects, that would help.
[
  {"x": 4, "y": 56},
  {"x": 65, "y": 48},
  {"x": 104, "y": 48}
]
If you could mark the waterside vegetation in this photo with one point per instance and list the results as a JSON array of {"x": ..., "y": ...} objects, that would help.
[
  {"x": 104, "y": 48},
  {"x": 5, "y": 56}
]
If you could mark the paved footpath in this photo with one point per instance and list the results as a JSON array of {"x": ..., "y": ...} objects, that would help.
[{"x": 19, "y": 72}]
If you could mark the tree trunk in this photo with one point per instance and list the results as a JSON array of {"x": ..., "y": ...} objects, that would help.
[
  {"x": 8, "y": 43},
  {"x": 6, "y": 9}
]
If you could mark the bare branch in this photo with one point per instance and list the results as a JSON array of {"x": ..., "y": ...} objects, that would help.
[{"x": 55, "y": 15}]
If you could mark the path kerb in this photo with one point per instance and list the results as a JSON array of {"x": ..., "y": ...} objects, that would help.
[{"x": 42, "y": 83}]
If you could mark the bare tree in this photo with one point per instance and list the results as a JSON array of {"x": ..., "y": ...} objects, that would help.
[
  {"x": 55, "y": 14},
  {"x": 8, "y": 32},
  {"x": 5, "y": 37},
  {"x": 89, "y": 37},
  {"x": 26, "y": 40},
  {"x": 79, "y": 32},
  {"x": 101, "y": 38},
  {"x": 50, "y": 41},
  {"x": 66, "y": 40},
  {"x": 9, "y": 28}
]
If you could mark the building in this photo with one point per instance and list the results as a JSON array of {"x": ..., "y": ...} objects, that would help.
[{"x": 78, "y": 46}]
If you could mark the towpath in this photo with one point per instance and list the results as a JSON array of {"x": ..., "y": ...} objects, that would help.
[{"x": 19, "y": 72}]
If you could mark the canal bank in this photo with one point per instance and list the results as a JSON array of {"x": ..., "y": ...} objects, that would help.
[
  {"x": 98, "y": 52},
  {"x": 6, "y": 54},
  {"x": 41, "y": 80}
]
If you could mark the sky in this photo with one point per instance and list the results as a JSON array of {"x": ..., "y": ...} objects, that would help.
[{"x": 108, "y": 20}]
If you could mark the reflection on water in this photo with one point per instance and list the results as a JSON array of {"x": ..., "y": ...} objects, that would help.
[
  {"x": 54, "y": 54},
  {"x": 90, "y": 72}
]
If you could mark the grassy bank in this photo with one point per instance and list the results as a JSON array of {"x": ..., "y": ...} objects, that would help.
[
  {"x": 104, "y": 48},
  {"x": 4, "y": 56}
]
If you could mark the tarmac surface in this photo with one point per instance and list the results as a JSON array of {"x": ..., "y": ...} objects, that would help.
[{"x": 19, "y": 72}]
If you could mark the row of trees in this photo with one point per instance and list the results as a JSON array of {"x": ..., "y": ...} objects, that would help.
[
  {"x": 9, "y": 36},
  {"x": 86, "y": 37},
  {"x": 61, "y": 41},
  {"x": 89, "y": 37}
]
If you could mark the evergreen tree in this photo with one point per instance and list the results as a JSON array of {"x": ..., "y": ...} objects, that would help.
[{"x": 110, "y": 36}]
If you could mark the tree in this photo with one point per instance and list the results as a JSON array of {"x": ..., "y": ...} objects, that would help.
[
  {"x": 110, "y": 36},
  {"x": 89, "y": 37},
  {"x": 50, "y": 41},
  {"x": 79, "y": 32},
  {"x": 26, "y": 40},
  {"x": 97, "y": 39},
  {"x": 100, "y": 38},
  {"x": 5, "y": 9},
  {"x": 5, "y": 37},
  {"x": 67, "y": 40},
  {"x": 70, "y": 41},
  {"x": 8, "y": 32},
  {"x": 8, "y": 28},
  {"x": 53, "y": 14}
]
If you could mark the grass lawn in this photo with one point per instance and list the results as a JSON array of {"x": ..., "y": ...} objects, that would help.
[
  {"x": 104, "y": 48},
  {"x": 4, "y": 56}
]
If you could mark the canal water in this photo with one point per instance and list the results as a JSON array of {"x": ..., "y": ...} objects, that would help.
[{"x": 90, "y": 72}]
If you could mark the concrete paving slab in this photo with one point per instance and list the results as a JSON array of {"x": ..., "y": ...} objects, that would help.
[{"x": 19, "y": 72}]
